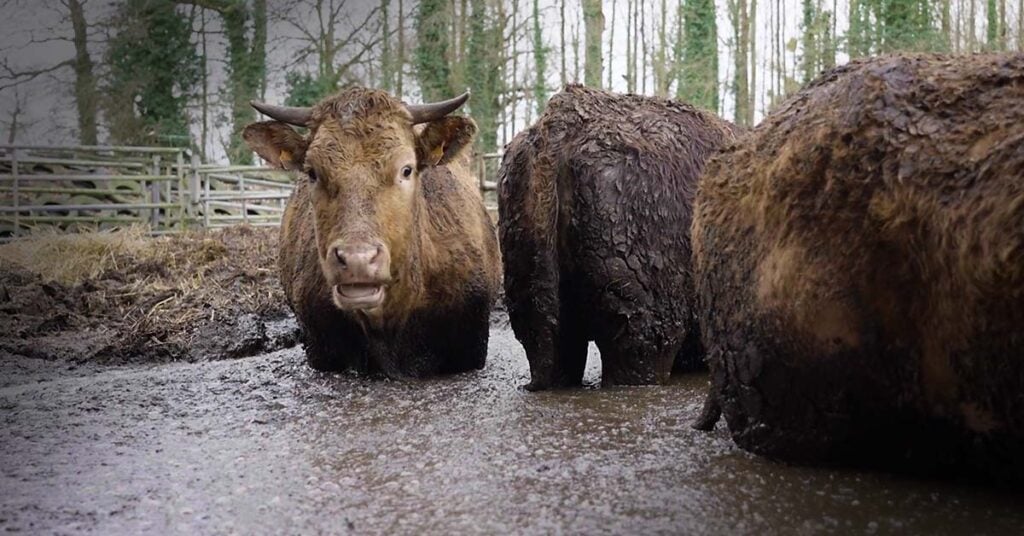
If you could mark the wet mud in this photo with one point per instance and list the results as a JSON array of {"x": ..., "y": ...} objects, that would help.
[{"x": 265, "y": 444}]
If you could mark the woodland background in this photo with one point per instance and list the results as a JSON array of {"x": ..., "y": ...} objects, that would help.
[{"x": 181, "y": 72}]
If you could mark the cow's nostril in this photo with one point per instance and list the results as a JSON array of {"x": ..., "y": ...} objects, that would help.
[
  {"x": 376, "y": 254},
  {"x": 338, "y": 254}
]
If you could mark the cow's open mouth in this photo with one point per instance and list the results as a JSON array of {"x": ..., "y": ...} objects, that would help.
[{"x": 359, "y": 296}]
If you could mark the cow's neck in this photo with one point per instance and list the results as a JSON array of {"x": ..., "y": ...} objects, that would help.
[{"x": 409, "y": 292}]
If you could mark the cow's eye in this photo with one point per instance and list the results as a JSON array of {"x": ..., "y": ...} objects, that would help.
[
  {"x": 312, "y": 174},
  {"x": 407, "y": 172}
]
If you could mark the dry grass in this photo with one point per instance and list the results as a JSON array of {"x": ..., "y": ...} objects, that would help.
[
  {"x": 71, "y": 258},
  {"x": 155, "y": 294}
]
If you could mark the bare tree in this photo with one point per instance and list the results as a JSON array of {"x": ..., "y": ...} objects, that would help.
[
  {"x": 86, "y": 102},
  {"x": 336, "y": 38},
  {"x": 15, "y": 121}
]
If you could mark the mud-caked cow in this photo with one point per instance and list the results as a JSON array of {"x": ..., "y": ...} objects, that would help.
[
  {"x": 859, "y": 261},
  {"x": 387, "y": 255},
  {"x": 594, "y": 218}
]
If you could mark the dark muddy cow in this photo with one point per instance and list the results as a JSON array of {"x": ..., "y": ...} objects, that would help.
[
  {"x": 594, "y": 217},
  {"x": 388, "y": 257},
  {"x": 860, "y": 269}
]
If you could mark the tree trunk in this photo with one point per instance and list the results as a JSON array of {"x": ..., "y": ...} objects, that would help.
[
  {"x": 661, "y": 58},
  {"x": 387, "y": 77},
  {"x": 741, "y": 25},
  {"x": 576, "y": 47},
  {"x": 678, "y": 50},
  {"x": 258, "y": 54},
  {"x": 12, "y": 134},
  {"x": 1004, "y": 38},
  {"x": 809, "y": 46},
  {"x": 540, "y": 62},
  {"x": 630, "y": 43},
  {"x": 400, "y": 58},
  {"x": 1020, "y": 26},
  {"x": 432, "y": 68},
  {"x": 246, "y": 69},
  {"x": 991, "y": 26},
  {"x": 971, "y": 36},
  {"x": 514, "y": 35},
  {"x": 204, "y": 135},
  {"x": 611, "y": 48},
  {"x": 781, "y": 17},
  {"x": 459, "y": 61},
  {"x": 85, "y": 81},
  {"x": 643, "y": 46},
  {"x": 698, "y": 74},
  {"x": 634, "y": 66},
  {"x": 753, "y": 63},
  {"x": 1003, "y": 45},
  {"x": 561, "y": 39},
  {"x": 593, "y": 20},
  {"x": 483, "y": 73},
  {"x": 501, "y": 104},
  {"x": 828, "y": 45},
  {"x": 944, "y": 25}
]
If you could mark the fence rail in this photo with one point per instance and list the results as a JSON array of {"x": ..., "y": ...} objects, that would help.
[{"x": 167, "y": 189}]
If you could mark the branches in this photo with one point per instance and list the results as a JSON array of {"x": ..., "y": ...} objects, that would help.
[{"x": 16, "y": 78}]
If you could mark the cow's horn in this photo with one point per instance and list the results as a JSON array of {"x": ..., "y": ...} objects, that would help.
[
  {"x": 423, "y": 113},
  {"x": 293, "y": 115}
]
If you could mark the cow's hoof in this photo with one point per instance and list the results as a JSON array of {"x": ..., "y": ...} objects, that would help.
[
  {"x": 708, "y": 416},
  {"x": 536, "y": 385}
]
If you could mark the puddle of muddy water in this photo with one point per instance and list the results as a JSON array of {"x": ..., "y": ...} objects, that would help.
[{"x": 266, "y": 445}]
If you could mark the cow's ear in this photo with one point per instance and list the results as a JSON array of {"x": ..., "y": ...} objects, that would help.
[
  {"x": 277, "y": 143},
  {"x": 444, "y": 140}
]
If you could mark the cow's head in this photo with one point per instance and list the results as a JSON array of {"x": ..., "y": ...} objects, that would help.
[{"x": 363, "y": 156}]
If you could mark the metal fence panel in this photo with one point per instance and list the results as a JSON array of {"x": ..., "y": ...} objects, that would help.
[{"x": 166, "y": 189}]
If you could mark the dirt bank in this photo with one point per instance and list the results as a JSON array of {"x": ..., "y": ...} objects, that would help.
[{"x": 126, "y": 297}]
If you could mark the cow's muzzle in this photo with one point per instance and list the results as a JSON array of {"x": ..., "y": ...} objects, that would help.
[{"x": 361, "y": 273}]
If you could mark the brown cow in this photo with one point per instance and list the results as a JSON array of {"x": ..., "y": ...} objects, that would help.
[
  {"x": 859, "y": 261},
  {"x": 594, "y": 204},
  {"x": 388, "y": 257}
]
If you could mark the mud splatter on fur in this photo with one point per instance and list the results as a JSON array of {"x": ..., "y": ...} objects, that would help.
[
  {"x": 594, "y": 204},
  {"x": 859, "y": 262}
]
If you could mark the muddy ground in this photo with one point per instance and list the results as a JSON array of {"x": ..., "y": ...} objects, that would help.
[
  {"x": 264, "y": 445},
  {"x": 124, "y": 297},
  {"x": 121, "y": 415}
]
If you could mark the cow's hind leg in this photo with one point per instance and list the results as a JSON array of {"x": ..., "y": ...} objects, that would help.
[
  {"x": 572, "y": 352},
  {"x": 636, "y": 358},
  {"x": 532, "y": 298}
]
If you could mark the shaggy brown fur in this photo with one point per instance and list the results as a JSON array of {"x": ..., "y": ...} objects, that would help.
[
  {"x": 594, "y": 205},
  {"x": 860, "y": 268},
  {"x": 444, "y": 262}
]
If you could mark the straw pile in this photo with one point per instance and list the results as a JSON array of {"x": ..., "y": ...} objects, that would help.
[{"x": 113, "y": 296}]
